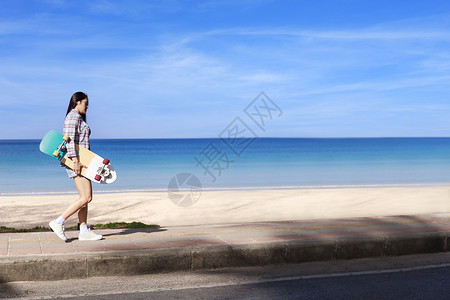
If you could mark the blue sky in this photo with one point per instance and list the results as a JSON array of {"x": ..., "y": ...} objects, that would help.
[{"x": 180, "y": 69}]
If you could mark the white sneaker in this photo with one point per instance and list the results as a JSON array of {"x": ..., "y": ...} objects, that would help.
[
  {"x": 58, "y": 229},
  {"x": 89, "y": 236}
]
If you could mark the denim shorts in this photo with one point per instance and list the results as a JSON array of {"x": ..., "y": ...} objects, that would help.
[{"x": 71, "y": 173}]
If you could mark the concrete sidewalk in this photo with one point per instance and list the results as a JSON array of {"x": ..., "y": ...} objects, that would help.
[{"x": 42, "y": 256}]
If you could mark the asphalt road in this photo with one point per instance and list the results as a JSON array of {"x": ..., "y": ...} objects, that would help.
[
  {"x": 412, "y": 277},
  {"x": 423, "y": 284}
]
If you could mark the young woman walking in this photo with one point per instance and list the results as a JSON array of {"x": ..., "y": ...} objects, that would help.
[{"x": 77, "y": 129}]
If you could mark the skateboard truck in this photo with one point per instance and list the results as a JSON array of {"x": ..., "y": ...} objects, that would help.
[
  {"x": 61, "y": 147},
  {"x": 101, "y": 170}
]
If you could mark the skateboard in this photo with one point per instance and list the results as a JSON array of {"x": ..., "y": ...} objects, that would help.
[{"x": 97, "y": 169}]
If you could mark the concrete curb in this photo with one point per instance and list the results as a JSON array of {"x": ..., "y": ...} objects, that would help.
[{"x": 58, "y": 267}]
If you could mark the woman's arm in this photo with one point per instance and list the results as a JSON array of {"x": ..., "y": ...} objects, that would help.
[{"x": 71, "y": 125}]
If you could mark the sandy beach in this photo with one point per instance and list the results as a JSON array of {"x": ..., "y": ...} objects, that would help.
[{"x": 235, "y": 206}]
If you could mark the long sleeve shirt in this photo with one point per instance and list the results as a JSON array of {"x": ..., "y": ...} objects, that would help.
[{"x": 78, "y": 131}]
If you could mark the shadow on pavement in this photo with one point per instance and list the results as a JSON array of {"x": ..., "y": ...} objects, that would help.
[
  {"x": 7, "y": 290},
  {"x": 339, "y": 239},
  {"x": 135, "y": 230}
]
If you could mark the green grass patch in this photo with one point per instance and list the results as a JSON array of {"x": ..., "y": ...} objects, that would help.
[
  {"x": 4, "y": 229},
  {"x": 114, "y": 225}
]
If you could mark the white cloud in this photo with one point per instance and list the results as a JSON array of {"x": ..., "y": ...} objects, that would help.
[{"x": 204, "y": 77}]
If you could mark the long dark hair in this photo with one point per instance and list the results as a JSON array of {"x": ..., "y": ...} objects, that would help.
[{"x": 78, "y": 96}]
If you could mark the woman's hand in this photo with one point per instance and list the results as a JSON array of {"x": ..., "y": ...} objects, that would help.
[{"x": 77, "y": 166}]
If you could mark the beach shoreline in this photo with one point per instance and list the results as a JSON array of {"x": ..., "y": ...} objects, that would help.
[{"x": 231, "y": 206}]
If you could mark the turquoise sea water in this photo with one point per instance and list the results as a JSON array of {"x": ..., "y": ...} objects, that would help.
[{"x": 149, "y": 164}]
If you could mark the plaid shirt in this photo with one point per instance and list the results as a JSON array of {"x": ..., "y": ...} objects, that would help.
[{"x": 77, "y": 130}]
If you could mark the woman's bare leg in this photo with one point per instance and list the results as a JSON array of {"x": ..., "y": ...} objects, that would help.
[
  {"x": 84, "y": 188},
  {"x": 82, "y": 215}
]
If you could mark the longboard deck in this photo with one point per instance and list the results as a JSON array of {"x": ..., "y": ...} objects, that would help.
[{"x": 92, "y": 161}]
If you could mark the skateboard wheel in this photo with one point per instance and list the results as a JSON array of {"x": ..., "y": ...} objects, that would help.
[
  {"x": 56, "y": 153},
  {"x": 105, "y": 161},
  {"x": 66, "y": 138},
  {"x": 97, "y": 177}
]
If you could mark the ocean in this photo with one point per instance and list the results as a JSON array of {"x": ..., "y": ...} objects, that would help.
[{"x": 151, "y": 164}]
